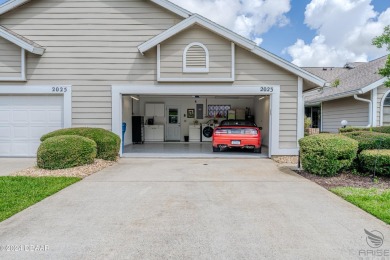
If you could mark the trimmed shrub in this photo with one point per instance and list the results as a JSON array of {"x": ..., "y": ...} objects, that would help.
[
  {"x": 349, "y": 129},
  {"x": 108, "y": 143},
  {"x": 66, "y": 151},
  {"x": 370, "y": 140},
  {"x": 382, "y": 129},
  {"x": 327, "y": 154},
  {"x": 375, "y": 160}
]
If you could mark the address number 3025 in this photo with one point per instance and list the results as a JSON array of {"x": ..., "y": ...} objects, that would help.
[
  {"x": 266, "y": 89},
  {"x": 59, "y": 89}
]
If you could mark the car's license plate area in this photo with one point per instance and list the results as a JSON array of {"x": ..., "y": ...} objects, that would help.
[{"x": 236, "y": 142}]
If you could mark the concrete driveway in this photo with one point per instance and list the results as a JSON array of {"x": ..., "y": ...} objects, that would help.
[
  {"x": 191, "y": 209},
  {"x": 11, "y": 165}
]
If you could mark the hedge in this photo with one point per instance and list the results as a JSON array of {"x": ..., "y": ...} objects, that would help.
[
  {"x": 379, "y": 129},
  {"x": 327, "y": 154},
  {"x": 377, "y": 161},
  {"x": 349, "y": 129},
  {"x": 108, "y": 143},
  {"x": 370, "y": 140},
  {"x": 382, "y": 129},
  {"x": 65, "y": 151}
]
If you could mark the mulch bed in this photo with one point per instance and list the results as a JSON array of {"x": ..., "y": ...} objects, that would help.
[{"x": 347, "y": 179}]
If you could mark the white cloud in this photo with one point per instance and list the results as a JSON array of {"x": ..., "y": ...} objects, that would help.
[
  {"x": 248, "y": 18},
  {"x": 345, "y": 29}
]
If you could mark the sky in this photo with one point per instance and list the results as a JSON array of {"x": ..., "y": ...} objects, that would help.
[{"x": 305, "y": 32}]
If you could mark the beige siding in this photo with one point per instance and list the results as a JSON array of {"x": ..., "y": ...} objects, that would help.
[
  {"x": 354, "y": 111},
  {"x": 381, "y": 91},
  {"x": 252, "y": 70},
  {"x": 90, "y": 45},
  {"x": 219, "y": 54},
  {"x": 10, "y": 59}
]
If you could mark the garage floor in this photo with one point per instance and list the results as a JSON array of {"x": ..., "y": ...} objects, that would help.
[{"x": 199, "y": 150}]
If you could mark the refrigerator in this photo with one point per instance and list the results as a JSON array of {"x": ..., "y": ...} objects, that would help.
[{"x": 138, "y": 129}]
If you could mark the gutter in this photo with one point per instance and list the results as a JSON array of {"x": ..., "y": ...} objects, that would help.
[{"x": 369, "y": 108}]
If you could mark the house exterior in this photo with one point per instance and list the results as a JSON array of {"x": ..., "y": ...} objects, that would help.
[
  {"x": 358, "y": 95},
  {"x": 99, "y": 63}
]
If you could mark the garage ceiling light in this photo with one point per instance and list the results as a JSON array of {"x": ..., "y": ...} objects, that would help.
[
  {"x": 133, "y": 97},
  {"x": 260, "y": 98}
]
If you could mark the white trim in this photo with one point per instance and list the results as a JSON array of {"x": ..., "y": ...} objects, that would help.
[
  {"x": 231, "y": 79},
  {"x": 382, "y": 104},
  {"x": 301, "y": 111},
  {"x": 350, "y": 93},
  {"x": 172, "y": 90},
  {"x": 22, "y": 44},
  {"x": 373, "y": 85},
  {"x": 195, "y": 19},
  {"x": 227, "y": 34},
  {"x": 22, "y": 76},
  {"x": 374, "y": 103},
  {"x": 233, "y": 57},
  {"x": 321, "y": 122},
  {"x": 47, "y": 90},
  {"x": 7, "y": 6},
  {"x": 173, "y": 8},
  {"x": 195, "y": 70}
]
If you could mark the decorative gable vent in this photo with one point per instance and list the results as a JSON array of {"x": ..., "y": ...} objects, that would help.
[{"x": 195, "y": 58}]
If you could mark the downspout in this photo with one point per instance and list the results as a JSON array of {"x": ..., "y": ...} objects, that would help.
[{"x": 369, "y": 110}]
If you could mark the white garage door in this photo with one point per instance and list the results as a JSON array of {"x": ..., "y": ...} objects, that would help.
[{"x": 24, "y": 119}]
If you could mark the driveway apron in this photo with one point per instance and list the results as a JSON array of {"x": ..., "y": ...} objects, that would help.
[{"x": 191, "y": 209}]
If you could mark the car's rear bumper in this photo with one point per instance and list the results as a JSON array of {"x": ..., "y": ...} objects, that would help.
[{"x": 228, "y": 141}]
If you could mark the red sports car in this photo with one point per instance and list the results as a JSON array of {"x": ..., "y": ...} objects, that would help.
[{"x": 237, "y": 133}]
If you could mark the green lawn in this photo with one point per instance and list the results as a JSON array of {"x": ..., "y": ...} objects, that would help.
[
  {"x": 18, "y": 193},
  {"x": 374, "y": 201}
]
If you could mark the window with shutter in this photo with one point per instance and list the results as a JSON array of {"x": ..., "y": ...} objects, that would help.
[{"x": 195, "y": 58}]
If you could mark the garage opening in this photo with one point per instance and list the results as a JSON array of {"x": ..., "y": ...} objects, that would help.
[{"x": 183, "y": 125}]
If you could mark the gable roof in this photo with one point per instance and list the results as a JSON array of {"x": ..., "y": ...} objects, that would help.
[
  {"x": 191, "y": 19},
  {"x": 237, "y": 39},
  {"x": 358, "y": 80},
  {"x": 21, "y": 41}
]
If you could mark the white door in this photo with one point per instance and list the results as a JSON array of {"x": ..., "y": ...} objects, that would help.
[
  {"x": 24, "y": 119},
  {"x": 173, "y": 124}
]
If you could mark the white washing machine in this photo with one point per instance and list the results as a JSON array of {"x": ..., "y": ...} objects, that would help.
[{"x": 207, "y": 132}]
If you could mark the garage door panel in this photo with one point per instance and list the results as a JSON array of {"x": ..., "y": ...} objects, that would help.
[
  {"x": 5, "y": 116},
  {"x": 5, "y": 132},
  {"x": 20, "y": 132},
  {"x": 20, "y": 149},
  {"x": 38, "y": 116},
  {"x": 20, "y": 116},
  {"x": 24, "y": 119},
  {"x": 55, "y": 116}
]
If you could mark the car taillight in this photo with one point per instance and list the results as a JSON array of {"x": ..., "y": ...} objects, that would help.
[
  {"x": 220, "y": 131},
  {"x": 250, "y": 131}
]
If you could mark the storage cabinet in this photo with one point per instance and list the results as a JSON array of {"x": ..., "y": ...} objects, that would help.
[
  {"x": 154, "y": 133},
  {"x": 194, "y": 133},
  {"x": 152, "y": 110}
]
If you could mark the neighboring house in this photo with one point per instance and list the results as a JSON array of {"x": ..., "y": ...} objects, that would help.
[
  {"x": 356, "y": 94},
  {"x": 98, "y": 63}
]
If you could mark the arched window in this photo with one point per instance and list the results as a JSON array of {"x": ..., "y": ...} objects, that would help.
[
  {"x": 386, "y": 109},
  {"x": 195, "y": 58}
]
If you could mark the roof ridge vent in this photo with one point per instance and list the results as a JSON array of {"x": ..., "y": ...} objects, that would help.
[{"x": 349, "y": 65}]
